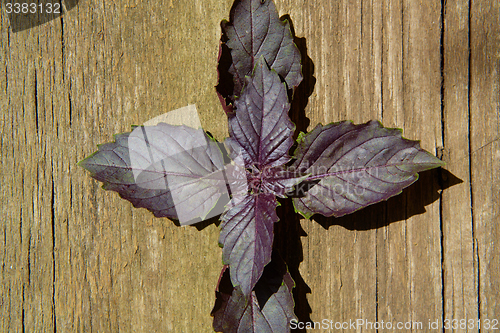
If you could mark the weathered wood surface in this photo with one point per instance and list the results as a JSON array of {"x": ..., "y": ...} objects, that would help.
[{"x": 77, "y": 258}]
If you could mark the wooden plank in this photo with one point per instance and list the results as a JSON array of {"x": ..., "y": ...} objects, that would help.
[
  {"x": 27, "y": 148},
  {"x": 393, "y": 274},
  {"x": 82, "y": 259},
  {"x": 459, "y": 264},
  {"x": 392, "y": 270},
  {"x": 153, "y": 274},
  {"x": 409, "y": 250},
  {"x": 343, "y": 41},
  {"x": 78, "y": 258},
  {"x": 349, "y": 85},
  {"x": 484, "y": 151}
]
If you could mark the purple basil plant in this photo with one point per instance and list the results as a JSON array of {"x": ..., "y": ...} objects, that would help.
[{"x": 182, "y": 173}]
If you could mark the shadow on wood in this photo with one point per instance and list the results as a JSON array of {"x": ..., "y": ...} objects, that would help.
[
  {"x": 423, "y": 192},
  {"x": 306, "y": 87}
]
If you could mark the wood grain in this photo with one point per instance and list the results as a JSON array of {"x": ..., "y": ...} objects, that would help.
[
  {"x": 78, "y": 258},
  {"x": 459, "y": 267},
  {"x": 484, "y": 150}
]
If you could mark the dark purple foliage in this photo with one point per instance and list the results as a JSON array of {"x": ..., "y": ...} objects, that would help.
[
  {"x": 247, "y": 237},
  {"x": 181, "y": 173},
  {"x": 353, "y": 166},
  {"x": 269, "y": 309},
  {"x": 261, "y": 127},
  {"x": 260, "y": 136},
  {"x": 173, "y": 171},
  {"x": 254, "y": 30}
]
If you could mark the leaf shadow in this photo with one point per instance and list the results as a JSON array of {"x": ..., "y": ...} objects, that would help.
[
  {"x": 287, "y": 242},
  {"x": 200, "y": 224},
  {"x": 204, "y": 224},
  {"x": 306, "y": 87}
]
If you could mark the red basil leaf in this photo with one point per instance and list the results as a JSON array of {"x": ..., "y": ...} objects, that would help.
[
  {"x": 173, "y": 171},
  {"x": 255, "y": 31},
  {"x": 353, "y": 166},
  {"x": 262, "y": 127},
  {"x": 247, "y": 237}
]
